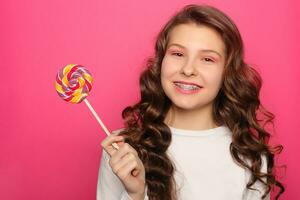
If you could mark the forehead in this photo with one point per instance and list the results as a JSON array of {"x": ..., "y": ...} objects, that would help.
[{"x": 195, "y": 37}]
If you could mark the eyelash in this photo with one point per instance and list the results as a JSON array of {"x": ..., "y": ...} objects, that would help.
[
  {"x": 211, "y": 60},
  {"x": 176, "y": 53}
]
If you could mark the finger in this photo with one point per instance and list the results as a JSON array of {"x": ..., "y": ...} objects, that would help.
[
  {"x": 116, "y": 166},
  {"x": 123, "y": 150},
  {"x": 135, "y": 172},
  {"x": 120, "y": 143},
  {"x": 125, "y": 171},
  {"x": 107, "y": 143},
  {"x": 130, "y": 148},
  {"x": 110, "y": 139}
]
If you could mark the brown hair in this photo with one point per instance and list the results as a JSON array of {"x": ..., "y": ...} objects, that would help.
[{"x": 236, "y": 105}]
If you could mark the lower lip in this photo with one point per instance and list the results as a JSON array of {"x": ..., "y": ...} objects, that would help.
[{"x": 179, "y": 89}]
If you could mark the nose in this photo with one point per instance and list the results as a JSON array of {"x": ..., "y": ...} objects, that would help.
[{"x": 189, "y": 68}]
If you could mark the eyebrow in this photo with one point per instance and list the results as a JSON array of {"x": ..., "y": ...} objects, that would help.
[{"x": 203, "y": 50}]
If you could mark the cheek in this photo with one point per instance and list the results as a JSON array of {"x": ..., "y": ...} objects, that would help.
[
  {"x": 168, "y": 67},
  {"x": 165, "y": 69},
  {"x": 214, "y": 79}
]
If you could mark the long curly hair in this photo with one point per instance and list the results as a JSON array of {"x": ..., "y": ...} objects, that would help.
[{"x": 237, "y": 105}]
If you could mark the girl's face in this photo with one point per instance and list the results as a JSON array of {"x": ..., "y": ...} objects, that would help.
[{"x": 192, "y": 68}]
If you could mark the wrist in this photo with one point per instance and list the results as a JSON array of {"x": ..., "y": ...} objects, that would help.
[{"x": 138, "y": 195}]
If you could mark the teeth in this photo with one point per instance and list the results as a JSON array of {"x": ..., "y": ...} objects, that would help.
[{"x": 187, "y": 87}]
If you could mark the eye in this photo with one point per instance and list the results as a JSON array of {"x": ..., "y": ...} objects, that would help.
[
  {"x": 208, "y": 60},
  {"x": 177, "y": 54}
]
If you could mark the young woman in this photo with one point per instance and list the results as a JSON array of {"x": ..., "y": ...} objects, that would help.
[{"x": 194, "y": 134}]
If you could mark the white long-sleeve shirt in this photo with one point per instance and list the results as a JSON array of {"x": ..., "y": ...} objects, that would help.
[{"x": 205, "y": 169}]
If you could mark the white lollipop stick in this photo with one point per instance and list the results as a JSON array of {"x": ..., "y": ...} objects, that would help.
[
  {"x": 135, "y": 171},
  {"x": 99, "y": 121}
]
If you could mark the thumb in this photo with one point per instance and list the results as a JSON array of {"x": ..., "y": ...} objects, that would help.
[{"x": 135, "y": 172}]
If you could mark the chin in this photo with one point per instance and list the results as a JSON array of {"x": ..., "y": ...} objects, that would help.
[
  {"x": 186, "y": 105},
  {"x": 190, "y": 103}
]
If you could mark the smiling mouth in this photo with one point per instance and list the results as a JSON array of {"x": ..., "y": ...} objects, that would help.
[{"x": 187, "y": 87}]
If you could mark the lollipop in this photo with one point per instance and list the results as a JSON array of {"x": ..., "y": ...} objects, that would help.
[{"x": 73, "y": 84}]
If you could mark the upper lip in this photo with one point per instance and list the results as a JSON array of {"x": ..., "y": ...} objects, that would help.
[{"x": 188, "y": 83}]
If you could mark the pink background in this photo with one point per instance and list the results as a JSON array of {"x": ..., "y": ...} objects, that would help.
[{"x": 50, "y": 149}]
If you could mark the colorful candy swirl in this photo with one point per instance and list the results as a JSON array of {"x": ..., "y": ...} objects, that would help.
[{"x": 73, "y": 83}]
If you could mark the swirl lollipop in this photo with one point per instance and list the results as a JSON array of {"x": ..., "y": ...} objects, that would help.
[{"x": 73, "y": 84}]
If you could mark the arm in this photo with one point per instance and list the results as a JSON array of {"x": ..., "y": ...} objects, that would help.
[{"x": 109, "y": 186}]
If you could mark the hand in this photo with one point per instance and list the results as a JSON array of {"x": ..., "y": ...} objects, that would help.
[{"x": 126, "y": 164}]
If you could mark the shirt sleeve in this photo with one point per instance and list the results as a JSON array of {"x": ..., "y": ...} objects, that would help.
[
  {"x": 109, "y": 186},
  {"x": 254, "y": 194}
]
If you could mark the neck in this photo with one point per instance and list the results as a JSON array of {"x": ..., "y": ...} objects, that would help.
[{"x": 196, "y": 119}]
